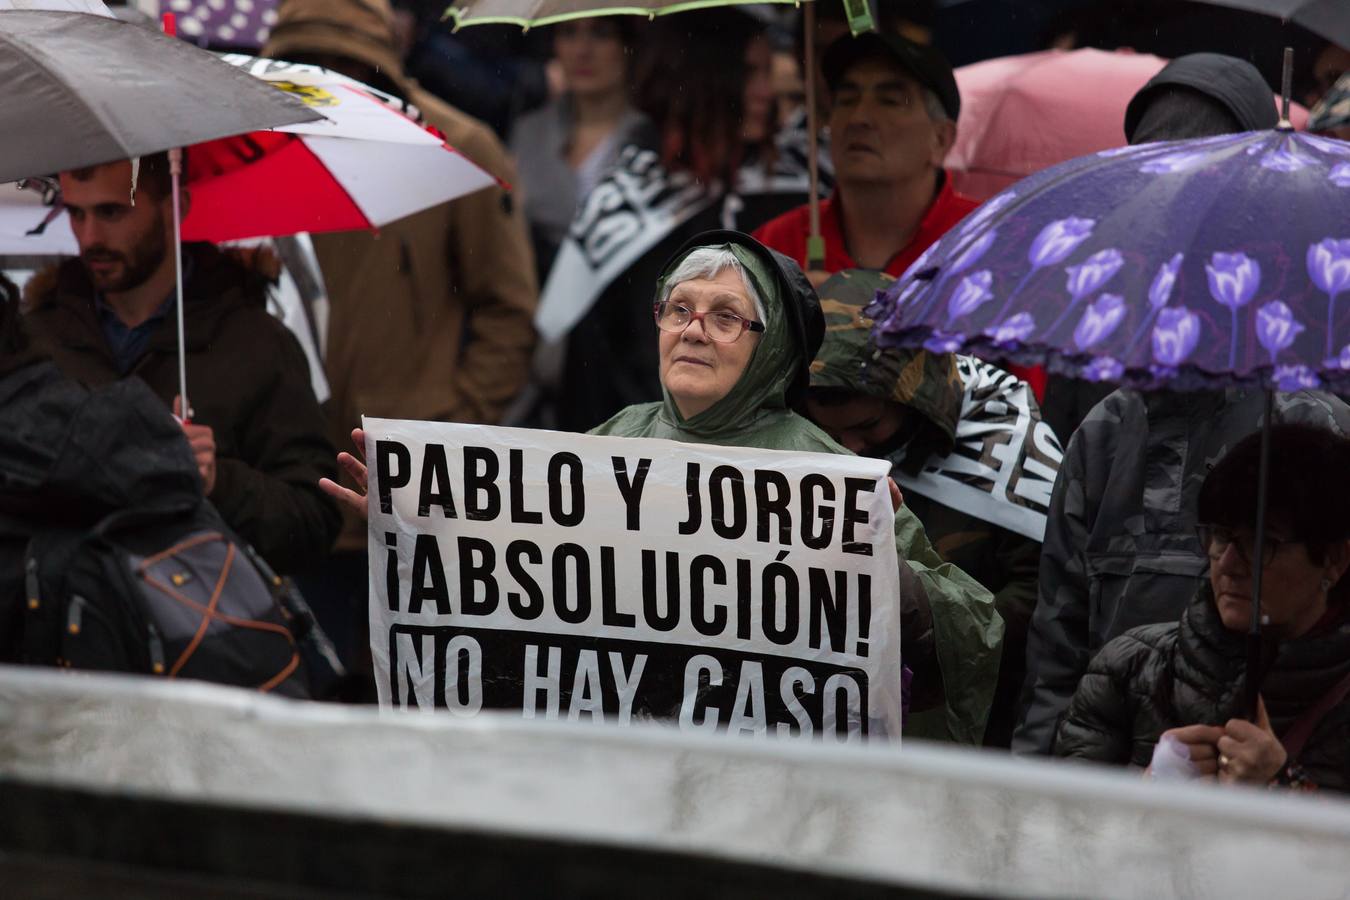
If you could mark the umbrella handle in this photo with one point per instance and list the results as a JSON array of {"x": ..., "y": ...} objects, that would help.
[
  {"x": 175, "y": 174},
  {"x": 815, "y": 244},
  {"x": 1255, "y": 662},
  {"x": 1286, "y": 88}
]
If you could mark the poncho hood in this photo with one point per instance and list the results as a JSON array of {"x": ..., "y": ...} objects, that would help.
[{"x": 758, "y": 411}]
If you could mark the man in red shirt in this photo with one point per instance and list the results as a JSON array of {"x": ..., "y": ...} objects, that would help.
[{"x": 893, "y": 114}]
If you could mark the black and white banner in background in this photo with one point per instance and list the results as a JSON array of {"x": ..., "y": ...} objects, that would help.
[
  {"x": 619, "y": 579},
  {"x": 635, "y": 207},
  {"x": 1005, "y": 460}
]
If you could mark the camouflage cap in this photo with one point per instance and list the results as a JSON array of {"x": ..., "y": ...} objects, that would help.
[{"x": 850, "y": 360}]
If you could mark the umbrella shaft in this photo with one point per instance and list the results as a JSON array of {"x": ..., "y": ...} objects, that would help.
[
  {"x": 175, "y": 173},
  {"x": 1254, "y": 655},
  {"x": 814, "y": 245}
]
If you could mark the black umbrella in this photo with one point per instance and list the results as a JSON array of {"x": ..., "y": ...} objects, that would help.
[
  {"x": 1328, "y": 18},
  {"x": 82, "y": 89}
]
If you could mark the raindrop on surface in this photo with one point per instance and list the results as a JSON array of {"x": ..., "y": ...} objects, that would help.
[
  {"x": 191, "y": 27},
  {"x": 239, "y": 20}
]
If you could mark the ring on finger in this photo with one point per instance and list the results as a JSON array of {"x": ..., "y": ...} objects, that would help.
[{"x": 1223, "y": 761}]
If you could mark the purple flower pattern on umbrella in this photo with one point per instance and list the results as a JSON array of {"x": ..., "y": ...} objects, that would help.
[
  {"x": 1172, "y": 163},
  {"x": 1329, "y": 269},
  {"x": 1283, "y": 160},
  {"x": 1099, "y": 320},
  {"x": 1068, "y": 221},
  {"x": 1093, "y": 273},
  {"x": 1233, "y": 280},
  {"x": 1052, "y": 245},
  {"x": 1276, "y": 327},
  {"x": 1326, "y": 145},
  {"x": 1058, "y": 239},
  {"x": 1160, "y": 291},
  {"x": 1016, "y": 329},
  {"x": 972, "y": 254},
  {"x": 1329, "y": 265},
  {"x": 1103, "y": 368},
  {"x": 1086, "y": 278},
  {"x": 968, "y": 296},
  {"x": 986, "y": 211},
  {"x": 906, "y": 295},
  {"x": 944, "y": 342},
  {"x": 1295, "y": 378},
  {"x": 1175, "y": 335}
]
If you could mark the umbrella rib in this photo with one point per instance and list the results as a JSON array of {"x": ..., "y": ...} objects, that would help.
[{"x": 465, "y": 18}]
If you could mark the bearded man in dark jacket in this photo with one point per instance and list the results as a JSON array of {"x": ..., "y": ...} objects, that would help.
[{"x": 255, "y": 428}]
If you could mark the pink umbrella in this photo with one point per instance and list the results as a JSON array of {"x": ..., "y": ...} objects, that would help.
[{"x": 1022, "y": 114}]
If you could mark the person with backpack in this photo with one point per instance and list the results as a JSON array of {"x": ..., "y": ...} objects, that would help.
[{"x": 111, "y": 557}]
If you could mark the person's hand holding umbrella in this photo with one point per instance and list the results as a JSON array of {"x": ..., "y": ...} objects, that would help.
[{"x": 1250, "y": 751}]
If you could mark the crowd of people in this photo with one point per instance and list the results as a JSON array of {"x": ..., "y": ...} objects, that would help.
[{"x": 645, "y": 269}]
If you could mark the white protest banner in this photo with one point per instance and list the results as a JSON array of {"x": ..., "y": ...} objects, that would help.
[{"x": 613, "y": 579}]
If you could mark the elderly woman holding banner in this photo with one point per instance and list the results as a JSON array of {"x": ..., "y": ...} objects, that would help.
[{"x": 738, "y": 326}]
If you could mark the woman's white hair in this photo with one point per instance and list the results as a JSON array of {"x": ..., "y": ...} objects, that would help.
[{"x": 709, "y": 262}]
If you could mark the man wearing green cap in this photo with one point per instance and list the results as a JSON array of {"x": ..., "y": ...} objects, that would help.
[{"x": 967, "y": 445}]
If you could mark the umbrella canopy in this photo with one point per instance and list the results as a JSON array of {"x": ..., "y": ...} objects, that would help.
[
  {"x": 362, "y": 165},
  {"x": 1328, "y": 18},
  {"x": 1022, "y": 114},
  {"x": 241, "y": 23},
  {"x": 1026, "y": 113},
  {"x": 85, "y": 89},
  {"x": 1195, "y": 264},
  {"x": 533, "y": 13}
]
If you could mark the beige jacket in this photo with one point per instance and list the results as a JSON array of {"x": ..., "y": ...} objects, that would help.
[{"x": 431, "y": 317}]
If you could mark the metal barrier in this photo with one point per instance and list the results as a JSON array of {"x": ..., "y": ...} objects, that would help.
[{"x": 224, "y": 787}]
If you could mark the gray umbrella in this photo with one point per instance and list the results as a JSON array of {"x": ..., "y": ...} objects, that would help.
[{"x": 82, "y": 89}]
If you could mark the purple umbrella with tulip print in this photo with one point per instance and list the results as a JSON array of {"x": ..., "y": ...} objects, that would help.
[
  {"x": 1191, "y": 264},
  {"x": 1204, "y": 264}
]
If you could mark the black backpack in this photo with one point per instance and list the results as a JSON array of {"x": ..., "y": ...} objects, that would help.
[
  {"x": 120, "y": 563},
  {"x": 167, "y": 594}
]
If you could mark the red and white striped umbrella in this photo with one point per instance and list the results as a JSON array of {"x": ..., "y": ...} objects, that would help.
[{"x": 365, "y": 164}]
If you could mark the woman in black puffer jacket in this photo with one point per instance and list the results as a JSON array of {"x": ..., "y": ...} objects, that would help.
[{"x": 1186, "y": 679}]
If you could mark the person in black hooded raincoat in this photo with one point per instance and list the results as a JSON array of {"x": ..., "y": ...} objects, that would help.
[
  {"x": 70, "y": 455},
  {"x": 743, "y": 396}
]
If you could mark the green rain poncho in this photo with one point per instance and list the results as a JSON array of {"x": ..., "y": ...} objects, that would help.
[{"x": 951, "y": 634}]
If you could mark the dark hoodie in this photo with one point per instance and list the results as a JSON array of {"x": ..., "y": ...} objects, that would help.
[
  {"x": 248, "y": 380},
  {"x": 1194, "y": 96},
  {"x": 1199, "y": 95},
  {"x": 950, "y": 633}
]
